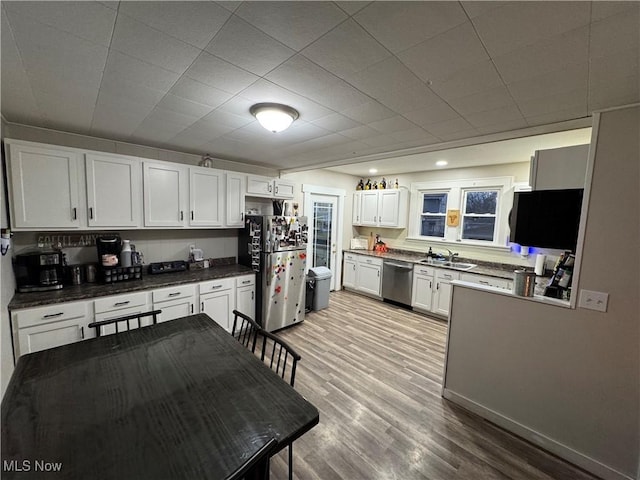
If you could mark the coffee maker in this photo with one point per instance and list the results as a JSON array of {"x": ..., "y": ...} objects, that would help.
[
  {"x": 110, "y": 269},
  {"x": 39, "y": 270}
]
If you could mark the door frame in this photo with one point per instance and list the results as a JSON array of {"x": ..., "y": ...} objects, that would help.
[{"x": 307, "y": 210}]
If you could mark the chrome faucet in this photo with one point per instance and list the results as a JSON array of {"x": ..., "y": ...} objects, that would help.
[{"x": 452, "y": 255}]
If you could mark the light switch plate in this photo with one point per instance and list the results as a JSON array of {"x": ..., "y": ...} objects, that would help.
[{"x": 593, "y": 300}]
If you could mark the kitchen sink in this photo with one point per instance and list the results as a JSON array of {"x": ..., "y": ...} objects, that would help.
[{"x": 448, "y": 264}]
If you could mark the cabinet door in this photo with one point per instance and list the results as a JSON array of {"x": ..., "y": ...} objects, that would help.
[
  {"x": 205, "y": 197},
  {"x": 175, "y": 309},
  {"x": 43, "y": 187},
  {"x": 283, "y": 189},
  {"x": 388, "y": 208},
  {"x": 246, "y": 301},
  {"x": 349, "y": 273},
  {"x": 357, "y": 206},
  {"x": 219, "y": 306},
  {"x": 165, "y": 194},
  {"x": 114, "y": 191},
  {"x": 259, "y": 186},
  {"x": 422, "y": 295},
  {"x": 236, "y": 185},
  {"x": 369, "y": 278},
  {"x": 442, "y": 294},
  {"x": 369, "y": 208},
  {"x": 122, "y": 326},
  {"x": 41, "y": 337}
]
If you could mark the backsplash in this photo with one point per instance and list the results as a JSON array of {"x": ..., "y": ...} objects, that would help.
[{"x": 155, "y": 245}]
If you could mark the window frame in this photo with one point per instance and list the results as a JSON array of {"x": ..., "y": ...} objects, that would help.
[
  {"x": 464, "y": 215},
  {"x": 443, "y": 215}
]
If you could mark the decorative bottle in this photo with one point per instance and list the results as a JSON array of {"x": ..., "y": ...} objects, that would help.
[{"x": 125, "y": 254}]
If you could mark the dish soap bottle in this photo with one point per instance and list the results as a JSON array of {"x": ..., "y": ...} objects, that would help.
[{"x": 125, "y": 254}]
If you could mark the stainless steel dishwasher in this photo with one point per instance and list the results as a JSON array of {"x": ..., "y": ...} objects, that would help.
[{"x": 397, "y": 279}]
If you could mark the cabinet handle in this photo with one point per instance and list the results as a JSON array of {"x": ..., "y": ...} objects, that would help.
[
  {"x": 438, "y": 286},
  {"x": 82, "y": 333},
  {"x": 192, "y": 308},
  {"x": 242, "y": 216},
  {"x": 181, "y": 215},
  {"x": 52, "y": 315},
  {"x": 246, "y": 281},
  {"x": 91, "y": 213},
  {"x": 202, "y": 306},
  {"x": 252, "y": 292},
  {"x": 174, "y": 294},
  {"x": 378, "y": 272},
  {"x": 276, "y": 189},
  {"x": 374, "y": 218},
  {"x": 483, "y": 282},
  {"x": 354, "y": 267},
  {"x": 191, "y": 214},
  {"x": 75, "y": 213},
  {"x": 215, "y": 287},
  {"x": 430, "y": 285},
  {"x": 270, "y": 188},
  {"x": 119, "y": 304}
]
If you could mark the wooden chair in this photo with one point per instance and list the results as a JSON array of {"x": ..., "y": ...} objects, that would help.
[
  {"x": 282, "y": 359},
  {"x": 257, "y": 466},
  {"x": 126, "y": 318},
  {"x": 245, "y": 330}
]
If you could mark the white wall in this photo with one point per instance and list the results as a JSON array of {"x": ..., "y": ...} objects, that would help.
[{"x": 573, "y": 376}]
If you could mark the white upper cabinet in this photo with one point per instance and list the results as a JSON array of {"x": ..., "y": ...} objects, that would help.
[
  {"x": 258, "y": 186},
  {"x": 559, "y": 168},
  {"x": 43, "y": 187},
  {"x": 114, "y": 191},
  {"x": 165, "y": 194},
  {"x": 236, "y": 186},
  {"x": 205, "y": 197},
  {"x": 380, "y": 208}
]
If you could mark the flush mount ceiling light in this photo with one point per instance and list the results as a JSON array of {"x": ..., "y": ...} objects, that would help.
[
  {"x": 442, "y": 163},
  {"x": 373, "y": 170},
  {"x": 275, "y": 117}
]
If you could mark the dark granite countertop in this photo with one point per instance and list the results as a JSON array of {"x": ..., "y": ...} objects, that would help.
[{"x": 148, "y": 282}]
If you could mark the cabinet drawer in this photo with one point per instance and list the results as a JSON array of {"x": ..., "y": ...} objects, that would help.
[
  {"x": 351, "y": 256},
  {"x": 447, "y": 275},
  {"x": 173, "y": 293},
  {"x": 420, "y": 270},
  {"x": 216, "y": 285},
  {"x": 54, "y": 313},
  {"x": 245, "y": 281},
  {"x": 117, "y": 302},
  {"x": 370, "y": 260},
  {"x": 486, "y": 280}
]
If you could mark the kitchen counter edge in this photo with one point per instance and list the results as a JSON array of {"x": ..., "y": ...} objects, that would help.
[{"x": 89, "y": 291}]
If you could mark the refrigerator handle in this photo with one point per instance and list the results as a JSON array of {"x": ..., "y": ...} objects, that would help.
[{"x": 268, "y": 269}]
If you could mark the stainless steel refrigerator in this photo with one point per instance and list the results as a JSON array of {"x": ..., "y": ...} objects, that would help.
[{"x": 276, "y": 247}]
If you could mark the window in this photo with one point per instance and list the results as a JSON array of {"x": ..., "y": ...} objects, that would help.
[
  {"x": 434, "y": 209},
  {"x": 479, "y": 215}
]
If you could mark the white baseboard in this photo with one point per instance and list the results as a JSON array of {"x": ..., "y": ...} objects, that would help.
[{"x": 587, "y": 463}]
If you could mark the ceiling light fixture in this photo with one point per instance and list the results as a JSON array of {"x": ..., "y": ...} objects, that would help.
[
  {"x": 275, "y": 117},
  {"x": 373, "y": 170},
  {"x": 442, "y": 163}
]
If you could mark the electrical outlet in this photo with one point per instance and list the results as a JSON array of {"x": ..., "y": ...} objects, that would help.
[{"x": 593, "y": 300}]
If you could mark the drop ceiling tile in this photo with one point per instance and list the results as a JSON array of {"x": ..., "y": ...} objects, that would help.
[
  {"x": 109, "y": 121},
  {"x": 518, "y": 24},
  {"x": 503, "y": 127},
  {"x": 91, "y": 21},
  {"x": 436, "y": 112},
  {"x": 148, "y": 44},
  {"x": 339, "y": 97},
  {"x": 368, "y": 112},
  {"x": 414, "y": 134},
  {"x": 199, "y": 92},
  {"x": 572, "y": 77},
  {"x": 400, "y": 25},
  {"x": 345, "y": 50},
  {"x": 220, "y": 74},
  {"x": 545, "y": 56},
  {"x": 566, "y": 100},
  {"x": 606, "y": 72},
  {"x": 475, "y": 8},
  {"x": 482, "y": 101},
  {"x": 237, "y": 106},
  {"x": 129, "y": 92},
  {"x": 302, "y": 76},
  {"x": 352, "y": 7},
  {"x": 446, "y": 53},
  {"x": 450, "y": 127},
  {"x": 296, "y": 24},
  {"x": 123, "y": 68},
  {"x": 359, "y": 133},
  {"x": 247, "y": 47},
  {"x": 194, "y": 23},
  {"x": 379, "y": 141},
  {"x": 501, "y": 116},
  {"x": 600, "y": 10},
  {"x": 558, "y": 116},
  {"x": 625, "y": 91},
  {"x": 473, "y": 79},
  {"x": 335, "y": 122},
  {"x": 183, "y": 106},
  {"x": 226, "y": 119},
  {"x": 619, "y": 32},
  {"x": 392, "y": 124},
  {"x": 229, "y": 5},
  {"x": 203, "y": 132},
  {"x": 69, "y": 115}
]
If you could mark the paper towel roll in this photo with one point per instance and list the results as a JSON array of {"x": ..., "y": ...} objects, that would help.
[{"x": 540, "y": 259}]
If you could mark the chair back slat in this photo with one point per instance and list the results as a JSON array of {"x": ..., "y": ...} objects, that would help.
[
  {"x": 278, "y": 354},
  {"x": 245, "y": 330},
  {"x": 126, "y": 319}
]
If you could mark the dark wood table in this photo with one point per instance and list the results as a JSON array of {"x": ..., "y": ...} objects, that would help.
[{"x": 177, "y": 400}]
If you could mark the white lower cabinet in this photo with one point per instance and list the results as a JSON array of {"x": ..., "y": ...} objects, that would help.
[
  {"x": 487, "y": 280},
  {"x": 41, "y": 328},
  {"x": 363, "y": 273},
  {"x": 442, "y": 292},
  {"x": 175, "y": 302},
  {"x": 432, "y": 289},
  {"x": 422, "y": 289},
  {"x": 116, "y": 306},
  {"x": 218, "y": 300},
  {"x": 246, "y": 296}
]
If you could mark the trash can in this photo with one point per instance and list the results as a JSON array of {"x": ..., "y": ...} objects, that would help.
[{"x": 321, "y": 279}]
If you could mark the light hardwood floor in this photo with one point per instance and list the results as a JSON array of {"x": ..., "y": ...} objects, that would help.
[{"x": 374, "y": 372}]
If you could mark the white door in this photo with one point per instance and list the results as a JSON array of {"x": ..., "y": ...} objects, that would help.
[
  {"x": 114, "y": 187},
  {"x": 44, "y": 188},
  {"x": 219, "y": 306},
  {"x": 205, "y": 195},
  {"x": 323, "y": 225},
  {"x": 165, "y": 194},
  {"x": 246, "y": 300}
]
